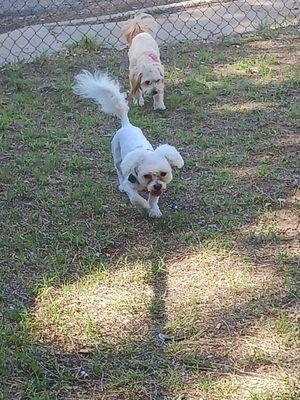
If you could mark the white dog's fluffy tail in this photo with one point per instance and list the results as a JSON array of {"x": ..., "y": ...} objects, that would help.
[
  {"x": 140, "y": 23},
  {"x": 105, "y": 91}
]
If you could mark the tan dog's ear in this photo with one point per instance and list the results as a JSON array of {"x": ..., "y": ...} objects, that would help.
[
  {"x": 161, "y": 71},
  {"x": 135, "y": 82}
]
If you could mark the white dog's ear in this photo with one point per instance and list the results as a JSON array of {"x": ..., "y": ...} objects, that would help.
[
  {"x": 132, "y": 161},
  {"x": 171, "y": 154},
  {"x": 135, "y": 82}
]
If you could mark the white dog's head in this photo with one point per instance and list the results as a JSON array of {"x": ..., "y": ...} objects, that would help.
[
  {"x": 152, "y": 169},
  {"x": 149, "y": 78}
]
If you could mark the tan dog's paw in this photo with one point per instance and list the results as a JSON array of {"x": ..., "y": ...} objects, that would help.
[
  {"x": 159, "y": 107},
  {"x": 158, "y": 103},
  {"x": 139, "y": 102}
]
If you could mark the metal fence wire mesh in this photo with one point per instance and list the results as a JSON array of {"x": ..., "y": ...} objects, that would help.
[{"x": 29, "y": 28}]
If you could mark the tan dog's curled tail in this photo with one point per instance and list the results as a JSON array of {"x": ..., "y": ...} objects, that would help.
[{"x": 140, "y": 23}]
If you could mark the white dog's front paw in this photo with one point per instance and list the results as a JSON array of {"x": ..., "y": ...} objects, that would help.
[
  {"x": 155, "y": 212},
  {"x": 159, "y": 106},
  {"x": 139, "y": 202}
]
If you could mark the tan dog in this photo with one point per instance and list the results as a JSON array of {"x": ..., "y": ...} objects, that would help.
[{"x": 146, "y": 73}]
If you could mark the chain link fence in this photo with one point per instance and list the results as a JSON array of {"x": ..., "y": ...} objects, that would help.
[{"x": 29, "y": 28}]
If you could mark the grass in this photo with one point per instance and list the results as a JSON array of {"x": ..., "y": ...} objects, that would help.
[{"x": 88, "y": 283}]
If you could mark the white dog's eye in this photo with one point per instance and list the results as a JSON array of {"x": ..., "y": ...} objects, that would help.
[
  {"x": 147, "y": 82},
  {"x": 163, "y": 173},
  {"x": 158, "y": 80}
]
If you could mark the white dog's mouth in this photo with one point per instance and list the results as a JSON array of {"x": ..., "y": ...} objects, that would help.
[
  {"x": 157, "y": 193},
  {"x": 157, "y": 189}
]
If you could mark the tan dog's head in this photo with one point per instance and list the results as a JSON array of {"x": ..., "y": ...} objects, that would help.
[{"x": 149, "y": 79}]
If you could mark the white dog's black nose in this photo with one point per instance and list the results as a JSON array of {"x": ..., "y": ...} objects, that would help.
[
  {"x": 157, "y": 186},
  {"x": 154, "y": 91}
]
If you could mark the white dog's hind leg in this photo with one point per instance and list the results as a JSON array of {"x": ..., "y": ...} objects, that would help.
[
  {"x": 154, "y": 210},
  {"x": 115, "y": 147},
  {"x": 158, "y": 101}
]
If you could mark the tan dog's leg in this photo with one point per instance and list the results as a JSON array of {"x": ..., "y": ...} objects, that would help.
[
  {"x": 139, "y": 99},
  {"x": 158, "y": 101},
  {"x": 135, "y": 89}
]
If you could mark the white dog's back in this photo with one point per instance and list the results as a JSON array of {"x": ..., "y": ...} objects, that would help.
[{"x": 131, "y": 138}]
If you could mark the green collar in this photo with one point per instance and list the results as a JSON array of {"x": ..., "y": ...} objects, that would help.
[{"x": 132, "y": 179}]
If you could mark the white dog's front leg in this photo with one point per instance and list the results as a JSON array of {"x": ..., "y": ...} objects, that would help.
[
  {"x": 135, "y": 198},
  {"x": 158, "y": 101},
  {"x": 154, "y": 210}
]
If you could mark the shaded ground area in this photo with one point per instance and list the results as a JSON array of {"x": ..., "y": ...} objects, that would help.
[
  {"x": 88, "y": 283},
  {"x": 19, "y": 13}
]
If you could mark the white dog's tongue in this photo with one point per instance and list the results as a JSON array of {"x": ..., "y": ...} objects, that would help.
[{"x": 156, "y": 193}]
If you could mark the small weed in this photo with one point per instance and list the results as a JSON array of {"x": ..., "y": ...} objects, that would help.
[
  {"x": 255, "y": 396},
  {"x": 204, "y": 57},
  {"x": 294, "y": 111},
  {"x": 129, "y": 380},
  {"x": 288, "y": 330},
  {"x": 262, "y": 66},
  {"x": 258, "y": 357},
  {"x": 173, "y": 380},
  {"x": 288, "y": 265},
  {"x": 16, "y": 79},
  {"x": 264, "y": 171},
  {"x": 86, "y": 43},
  {"x": 206, "y": 385},
  {"x": 125, "y": 304}
]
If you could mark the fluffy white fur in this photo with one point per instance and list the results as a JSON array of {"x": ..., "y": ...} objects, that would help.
[
  {"x": 146, "y": 73},
  {"x": 138, "y": 165}
]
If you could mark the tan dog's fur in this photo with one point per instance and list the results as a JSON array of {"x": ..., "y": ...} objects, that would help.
[{"x": 146, "y": 73}]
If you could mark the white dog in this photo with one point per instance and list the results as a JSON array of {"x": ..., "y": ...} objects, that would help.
[
  {"x": 146, "y": 73},
  {"x": 138, "y": 165}
]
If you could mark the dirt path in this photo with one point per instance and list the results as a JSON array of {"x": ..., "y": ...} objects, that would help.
[{"x": 19, "y": 13}]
